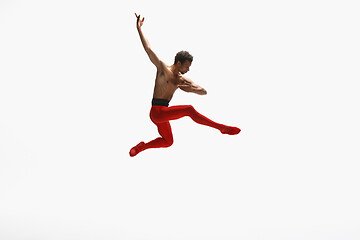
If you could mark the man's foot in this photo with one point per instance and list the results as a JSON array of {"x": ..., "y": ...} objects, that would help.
[
  {"x": 135, "y": 150},
  {"x": 230, "y": 130}
]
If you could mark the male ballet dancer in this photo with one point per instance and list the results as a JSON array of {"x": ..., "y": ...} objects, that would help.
[{"x": 168, "y": 79}]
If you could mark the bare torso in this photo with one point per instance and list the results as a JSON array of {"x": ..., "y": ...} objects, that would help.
[{"x": 166, "y": 83}]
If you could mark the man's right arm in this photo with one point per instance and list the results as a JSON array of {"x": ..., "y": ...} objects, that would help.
[
  {"x": 188, "y": 85},
  {"x": 153, "y": 58}
]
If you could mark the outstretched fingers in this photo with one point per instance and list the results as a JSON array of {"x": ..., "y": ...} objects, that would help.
[
  {"x": 139, "y": 21},
  {"x": 138, "y": 17}
]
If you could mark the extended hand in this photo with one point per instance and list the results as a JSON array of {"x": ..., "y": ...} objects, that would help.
[{"x": 139, "y": 22}]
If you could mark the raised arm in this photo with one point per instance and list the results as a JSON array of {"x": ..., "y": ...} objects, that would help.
[
  {"x": 153, "y": 58},
  {"x": 189, "y": 86}
]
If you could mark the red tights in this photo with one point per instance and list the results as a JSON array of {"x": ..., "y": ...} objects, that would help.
[{"x": 161, "y": 115}]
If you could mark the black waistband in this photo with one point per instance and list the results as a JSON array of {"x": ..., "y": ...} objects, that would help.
[{"x": 160, "y": 102}]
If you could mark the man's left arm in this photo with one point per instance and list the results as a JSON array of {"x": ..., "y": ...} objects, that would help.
[{"x": 188, "y": 85}]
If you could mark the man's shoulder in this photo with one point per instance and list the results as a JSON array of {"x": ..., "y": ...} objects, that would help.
[
  {"x": 163, "y": 67},
  {"x": 182, "y": 77}
]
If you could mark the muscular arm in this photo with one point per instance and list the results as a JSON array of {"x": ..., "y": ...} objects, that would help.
[
  {"x": 153, "y": 58},
  {"x": 188, "y": 85}
]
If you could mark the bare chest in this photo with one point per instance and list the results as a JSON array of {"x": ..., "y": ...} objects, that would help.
[{"x": 165, "y": 85}]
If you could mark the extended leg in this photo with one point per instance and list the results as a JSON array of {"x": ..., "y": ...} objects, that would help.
[{"x": 176, "y": 112}]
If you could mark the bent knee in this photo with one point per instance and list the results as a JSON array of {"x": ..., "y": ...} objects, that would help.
[
  {"x": 168, "y": 142},
  {"x": 190, "y": 109}
]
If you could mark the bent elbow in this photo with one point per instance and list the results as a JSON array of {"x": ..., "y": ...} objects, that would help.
[{"x": 202, "y": 92}]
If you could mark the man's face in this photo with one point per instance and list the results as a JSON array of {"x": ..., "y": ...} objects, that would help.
[{"x": 185, "y": 67}]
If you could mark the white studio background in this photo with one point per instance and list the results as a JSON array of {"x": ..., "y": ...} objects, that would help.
[{"x": 75, "y": 94}]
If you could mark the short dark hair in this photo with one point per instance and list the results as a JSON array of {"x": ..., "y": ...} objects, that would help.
[{"x": 182, "y": 56}]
